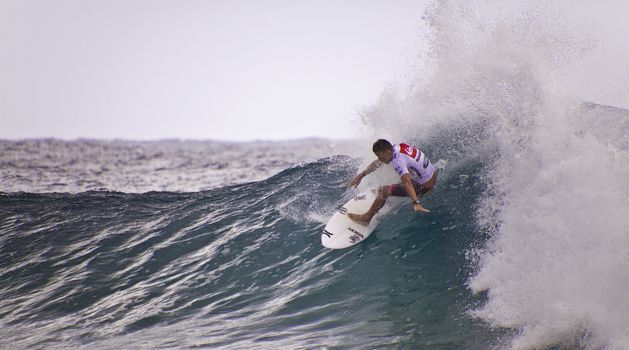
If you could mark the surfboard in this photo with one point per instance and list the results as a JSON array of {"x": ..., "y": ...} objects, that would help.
[{"x": 342, "y": 232}]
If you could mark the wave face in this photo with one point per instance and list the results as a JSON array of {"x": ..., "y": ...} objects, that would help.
[{"x": 237, "y": 267}]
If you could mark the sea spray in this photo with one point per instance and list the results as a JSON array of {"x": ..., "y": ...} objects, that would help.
[{"x": 555, "y": 168}]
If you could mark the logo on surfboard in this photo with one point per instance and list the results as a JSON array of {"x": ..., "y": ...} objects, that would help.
[{"x": 356, "y": 237}]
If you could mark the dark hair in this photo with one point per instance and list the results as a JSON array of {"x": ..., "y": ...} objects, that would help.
[{"x": 381, "y": 145}]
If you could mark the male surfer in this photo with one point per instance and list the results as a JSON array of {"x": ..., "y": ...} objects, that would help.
[{"x": 417, "y": 173}]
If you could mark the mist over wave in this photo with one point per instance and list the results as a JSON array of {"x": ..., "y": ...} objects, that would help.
[{"x": 556, "y": 167}]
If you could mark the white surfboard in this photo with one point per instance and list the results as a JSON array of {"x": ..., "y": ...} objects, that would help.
[{"x": 342, "y": 232}]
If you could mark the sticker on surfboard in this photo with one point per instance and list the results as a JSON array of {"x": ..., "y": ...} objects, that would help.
[{"x": 342, "y": 232}]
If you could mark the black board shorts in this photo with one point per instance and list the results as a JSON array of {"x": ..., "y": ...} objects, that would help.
[{"x": 399, "y": 190}]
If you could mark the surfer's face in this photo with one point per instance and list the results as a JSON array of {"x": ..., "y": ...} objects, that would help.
[{"x": 385, "y": 156}]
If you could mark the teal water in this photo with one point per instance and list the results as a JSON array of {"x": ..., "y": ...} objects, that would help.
[{"x": 238, "y": 267}]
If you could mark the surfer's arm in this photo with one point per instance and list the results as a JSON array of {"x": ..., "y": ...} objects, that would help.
[
  {"x": 370, "y": 169},
  {"x": 410, "y": 190}
]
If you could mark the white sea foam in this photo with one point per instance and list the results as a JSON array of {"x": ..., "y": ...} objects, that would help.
[
  {"x": 558, "y": 265},
  {"x": 557, "y": 199}
]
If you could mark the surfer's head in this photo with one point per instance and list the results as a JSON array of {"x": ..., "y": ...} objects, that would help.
[{"x": 383, "y": 150}]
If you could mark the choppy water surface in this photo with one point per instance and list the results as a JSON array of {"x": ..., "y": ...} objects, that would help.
[
  {"x": 50, "y": 165},
  {"x": 183, "y": 244}
]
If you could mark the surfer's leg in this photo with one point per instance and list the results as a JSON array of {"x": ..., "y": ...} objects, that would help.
[
  {"x": 420, "y": 189},
  {"x": 427, "y": 188},
  {"x": 378, "y": 203}
]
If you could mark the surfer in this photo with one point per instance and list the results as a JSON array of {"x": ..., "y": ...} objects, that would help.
[{"x": 416, "y": 171}]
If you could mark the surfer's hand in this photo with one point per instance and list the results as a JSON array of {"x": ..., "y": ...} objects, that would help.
[
  {"x": 356, "y": 181},
  {"x": 417, "y": 207}
]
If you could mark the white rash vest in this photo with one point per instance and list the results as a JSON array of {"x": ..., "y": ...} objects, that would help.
[{"x": 410, "y": 160}]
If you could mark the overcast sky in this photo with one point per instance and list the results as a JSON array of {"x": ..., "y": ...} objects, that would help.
[{"x": 238, "y": 69}]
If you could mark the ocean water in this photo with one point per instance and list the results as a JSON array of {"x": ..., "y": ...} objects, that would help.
[
  {"x": 49, "y": 165},
  {"x": 109, "y": 244},
  {"x": 238, "y": 266}
]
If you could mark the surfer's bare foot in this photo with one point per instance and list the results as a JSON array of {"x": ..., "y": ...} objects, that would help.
[{"x": 363, "y": 219}]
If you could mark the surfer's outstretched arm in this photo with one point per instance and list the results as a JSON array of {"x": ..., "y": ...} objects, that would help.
[{"x": 370, "y": 169}]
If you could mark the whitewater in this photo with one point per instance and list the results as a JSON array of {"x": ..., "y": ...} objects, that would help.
[{"x": 110, "y": 244}]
